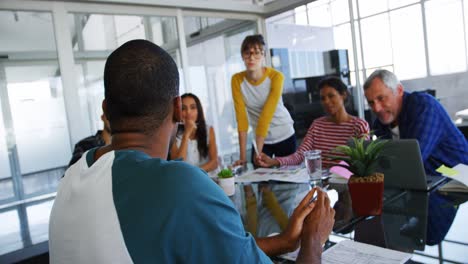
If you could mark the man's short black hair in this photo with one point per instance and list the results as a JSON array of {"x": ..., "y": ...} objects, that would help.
[{"x": 140, "y": 82}]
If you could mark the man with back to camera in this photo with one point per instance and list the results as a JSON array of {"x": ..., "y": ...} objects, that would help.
[
  {"x": 125, "y": 202},
  {"x": 415, "y": 115}
]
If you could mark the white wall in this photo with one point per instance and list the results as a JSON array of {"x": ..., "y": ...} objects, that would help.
[{"x": 451, "y": 90}]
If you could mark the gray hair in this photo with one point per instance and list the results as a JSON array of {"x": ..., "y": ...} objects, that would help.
[{"x": 387, "y": 77}]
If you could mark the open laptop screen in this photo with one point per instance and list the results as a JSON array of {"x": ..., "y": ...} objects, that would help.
[{"x": 403, "y": 166}]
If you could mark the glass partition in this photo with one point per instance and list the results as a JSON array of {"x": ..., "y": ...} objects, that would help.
[
  {"x": 95, "y": 36},
  {"x": 214, "y": 56},
  {"x": 36, "y": 145}
]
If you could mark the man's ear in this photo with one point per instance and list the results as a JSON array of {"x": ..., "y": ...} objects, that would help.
[
  {"x": 104, "y": 109},
  {"x": 399, "y": 90},
  {"x": 177, "y": 109}
]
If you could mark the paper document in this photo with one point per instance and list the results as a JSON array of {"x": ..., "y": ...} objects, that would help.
[
  {"x": 348, "y": 251},
  {"x": 447, "y": 171},
  {"x": 287, "y": 174},
  {"x": 459, "y": 182},
  {"x": 462, "y": 173}
]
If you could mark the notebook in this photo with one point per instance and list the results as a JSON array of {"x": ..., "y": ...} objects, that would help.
[{"x": 404, "y": 167}]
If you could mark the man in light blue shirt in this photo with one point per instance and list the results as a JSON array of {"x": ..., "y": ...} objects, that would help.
[{"x": 125, "y": 202}]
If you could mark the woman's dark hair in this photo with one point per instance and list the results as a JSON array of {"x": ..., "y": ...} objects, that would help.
[
  {"x": 201, "y": 133},
  {"x": 252, "y": 41},
  {"x": 335, "y": 83}
]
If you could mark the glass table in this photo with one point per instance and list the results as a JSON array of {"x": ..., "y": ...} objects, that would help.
[{"x": 430, "y": 225}]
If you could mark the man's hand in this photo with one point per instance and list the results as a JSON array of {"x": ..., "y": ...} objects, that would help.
[
  {"x": 263, "y": 160},
  {"x": 292, "y": 234},
  {"x": 319, "y": 222},
  {"x": 295, "y": 232},
  {"x": 317, "y": 227}
]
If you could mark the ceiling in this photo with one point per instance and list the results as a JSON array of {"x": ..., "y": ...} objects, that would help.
[
  {"x": 261, "y": 7},
  {"x": 39, "y": 41}
]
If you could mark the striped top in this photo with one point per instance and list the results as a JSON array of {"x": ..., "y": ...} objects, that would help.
[
  {"x": 325, "y": 135},
  {"x": 261, "y": 104}
]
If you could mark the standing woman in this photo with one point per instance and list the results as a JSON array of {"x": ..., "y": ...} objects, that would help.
[
  {"x": 195, "y": 143},
  {"x": 257, "y": 99}
]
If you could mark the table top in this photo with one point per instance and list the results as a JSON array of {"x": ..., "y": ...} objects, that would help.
[{"x": 431, "y": 225}]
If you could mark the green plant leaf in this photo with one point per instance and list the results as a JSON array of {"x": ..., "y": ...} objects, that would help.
[
  {"x": 362, "y": 156},
  {"x": 225, "y": 173}
]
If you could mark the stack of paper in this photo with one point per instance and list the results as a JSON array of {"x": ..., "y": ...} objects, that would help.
[
  {"x": 352, "y": 252},
  {"x": 348, "y": 251},
  {"x": 297, "y": 175}
]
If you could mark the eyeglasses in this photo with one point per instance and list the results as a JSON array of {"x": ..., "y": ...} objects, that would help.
[{"x": 256, "y": 54}]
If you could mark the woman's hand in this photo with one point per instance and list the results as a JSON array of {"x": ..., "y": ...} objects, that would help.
[
  {"x": 189, "y": 127},
  {"x": 263, "y": 160},
  {"x": 240, "y": 162}
]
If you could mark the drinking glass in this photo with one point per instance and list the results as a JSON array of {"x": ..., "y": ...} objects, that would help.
[
  {"x": 313, "y": 162},
  {"x": 227, "y": 161}
]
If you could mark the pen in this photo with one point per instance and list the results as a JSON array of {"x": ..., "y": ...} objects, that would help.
[
  {"x": 254, "y": 143},
  {"x": 315, "y": 197}
]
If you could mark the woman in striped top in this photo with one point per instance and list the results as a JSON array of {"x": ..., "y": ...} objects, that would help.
[{"x": 328, "y": 131}]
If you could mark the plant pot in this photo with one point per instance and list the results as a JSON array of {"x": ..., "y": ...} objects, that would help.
[
  {"x": 367, "y": 194},
  {"x": 228, "y": 185}
]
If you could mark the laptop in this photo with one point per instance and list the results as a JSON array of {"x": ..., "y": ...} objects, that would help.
[{"x": 404, "y": 169}]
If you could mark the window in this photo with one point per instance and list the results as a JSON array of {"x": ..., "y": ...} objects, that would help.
[
  {"x": 343, "y": 40},
  {"x": 408, "y": 42},
  {"x": 370, "y": 7},
  {"x": 38, "y": 221},
  {"x": 445, "y": 36},
  {"x": 339, "y": 11},
  {"x": 213, "y": 59},
  {"x": 11, "y": 229},
  {"x": 318, "y": 14},
  {"x": 33, "y": 107},
  {"x": 96, "y": 35},
  {"x": 300, "y": 14},
  {"x": 376, "y": 41},
  {"x": 398, "y": 3}
]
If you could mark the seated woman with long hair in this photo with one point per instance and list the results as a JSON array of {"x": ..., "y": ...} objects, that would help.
[
  {"x": 195, "y": 141},
  {"x": 326, "y": 132}
]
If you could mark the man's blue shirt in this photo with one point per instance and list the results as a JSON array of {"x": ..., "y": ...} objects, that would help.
[{"x": 423, "y": 118}]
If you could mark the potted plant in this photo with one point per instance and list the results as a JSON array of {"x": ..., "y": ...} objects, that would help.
[
  {"x": 366, "y": 185},
  {"x": 226, "y": 181}
]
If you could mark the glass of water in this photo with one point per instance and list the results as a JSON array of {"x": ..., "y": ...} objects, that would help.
[{"x": 313, "y": 162}]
